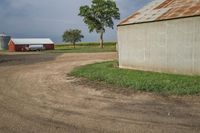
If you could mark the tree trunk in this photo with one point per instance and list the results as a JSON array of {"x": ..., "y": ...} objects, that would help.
[
  {"x": 101, "y": 40},
  {"x": 74, "y": 44}
]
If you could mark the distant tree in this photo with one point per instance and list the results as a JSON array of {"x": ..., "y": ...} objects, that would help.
[
  {"x": 100, "y": 15},
  {"x": 72, "y": 36}
]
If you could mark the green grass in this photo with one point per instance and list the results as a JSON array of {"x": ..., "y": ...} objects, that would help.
[
  {"x": 109, "y": 73},
  {"x": 85, "y": 47},
  {"x": 3, "y": 50}
]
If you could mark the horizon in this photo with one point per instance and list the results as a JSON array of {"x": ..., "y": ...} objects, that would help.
[{"x": 36, "y": 19}]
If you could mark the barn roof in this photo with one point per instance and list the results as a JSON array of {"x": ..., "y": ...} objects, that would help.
[
  {"x": 164, "y": 10},
  {"x": 2, "y": 35},
  {"x": 32, "y": 41}
]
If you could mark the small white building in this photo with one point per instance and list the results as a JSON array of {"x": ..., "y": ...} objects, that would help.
[{"x": 164, "y": 36}]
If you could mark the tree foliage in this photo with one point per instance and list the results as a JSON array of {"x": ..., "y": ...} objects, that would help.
[
  {"x": 72, "y": 36},
  {"x": 100, "y": 15}
]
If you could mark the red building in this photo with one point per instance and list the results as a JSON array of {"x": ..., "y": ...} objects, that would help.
[{"x": 22, "y": 45}]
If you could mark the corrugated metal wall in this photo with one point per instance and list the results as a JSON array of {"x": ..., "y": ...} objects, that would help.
[
  {"x": 0, "y": 43},
  {"x": 166, "y": 46},
  {"x": 49, "y": 46},
  {"x": 4, "y": 40}
]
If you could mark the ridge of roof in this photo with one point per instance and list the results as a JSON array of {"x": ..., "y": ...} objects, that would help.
[
  {"x": 3, "y": 35},
  {"x": 32, "y": 40}
]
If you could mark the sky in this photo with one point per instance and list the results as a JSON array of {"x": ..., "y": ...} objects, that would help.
[{"x": 50, "y": 18}]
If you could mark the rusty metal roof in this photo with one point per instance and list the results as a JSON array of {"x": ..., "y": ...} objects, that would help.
[{"x": 164, "y": 10}]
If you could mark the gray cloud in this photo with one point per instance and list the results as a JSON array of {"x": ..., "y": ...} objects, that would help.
[{"x": 49, "y": 18}]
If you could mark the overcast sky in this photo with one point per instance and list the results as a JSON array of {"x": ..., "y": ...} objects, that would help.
[{"x": 50, "y": 18}]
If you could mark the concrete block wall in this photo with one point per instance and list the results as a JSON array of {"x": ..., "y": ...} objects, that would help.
[{"x": 171, "y": 46}]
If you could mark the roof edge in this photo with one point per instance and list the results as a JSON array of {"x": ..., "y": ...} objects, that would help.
[
  {"x": 31, "y": 38},
  {"x": 119, "y": 25},
  {"x": 134, "y": 13}
]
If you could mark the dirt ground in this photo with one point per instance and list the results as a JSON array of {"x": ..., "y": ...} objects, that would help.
[{"x": 37, "y": 96}]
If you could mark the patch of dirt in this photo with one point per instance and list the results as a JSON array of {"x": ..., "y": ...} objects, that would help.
[{"x": 37, "y": 96}]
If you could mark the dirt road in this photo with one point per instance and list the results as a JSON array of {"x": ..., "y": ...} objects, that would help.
[{"x": 36, "y": 96}]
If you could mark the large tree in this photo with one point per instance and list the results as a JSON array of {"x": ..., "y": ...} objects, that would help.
[
  {"x": 99, "y": 15},
  {"x": 73, "y": 36}
]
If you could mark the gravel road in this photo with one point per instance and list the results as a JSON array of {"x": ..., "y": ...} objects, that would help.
[{"x": 37, "y": 96}]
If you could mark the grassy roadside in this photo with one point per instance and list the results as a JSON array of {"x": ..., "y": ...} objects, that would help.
[
  {"x": 3, "y": 50},
  {"x": 138, "y": 80},
  {"x": 85, "y": 48}
]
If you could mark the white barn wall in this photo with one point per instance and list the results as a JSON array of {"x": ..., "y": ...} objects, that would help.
[{"x": 165, "y": 46}]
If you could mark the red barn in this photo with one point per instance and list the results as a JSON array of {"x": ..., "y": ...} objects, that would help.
[{"x": 22, "y": 45}]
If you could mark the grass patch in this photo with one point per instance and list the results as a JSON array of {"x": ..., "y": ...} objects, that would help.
[
  {"x": 3, "y": 50},
  {"x": 139, "y": 80},
  {"x": 85, "y": 47}
]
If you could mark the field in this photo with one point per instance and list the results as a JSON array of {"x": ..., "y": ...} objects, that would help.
[
  {"x": 108, "y": 72},
  {"x": 86, "y": 47},
  {"x": 3, "y": 50},
  {"x": 83, "y": 47}
]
